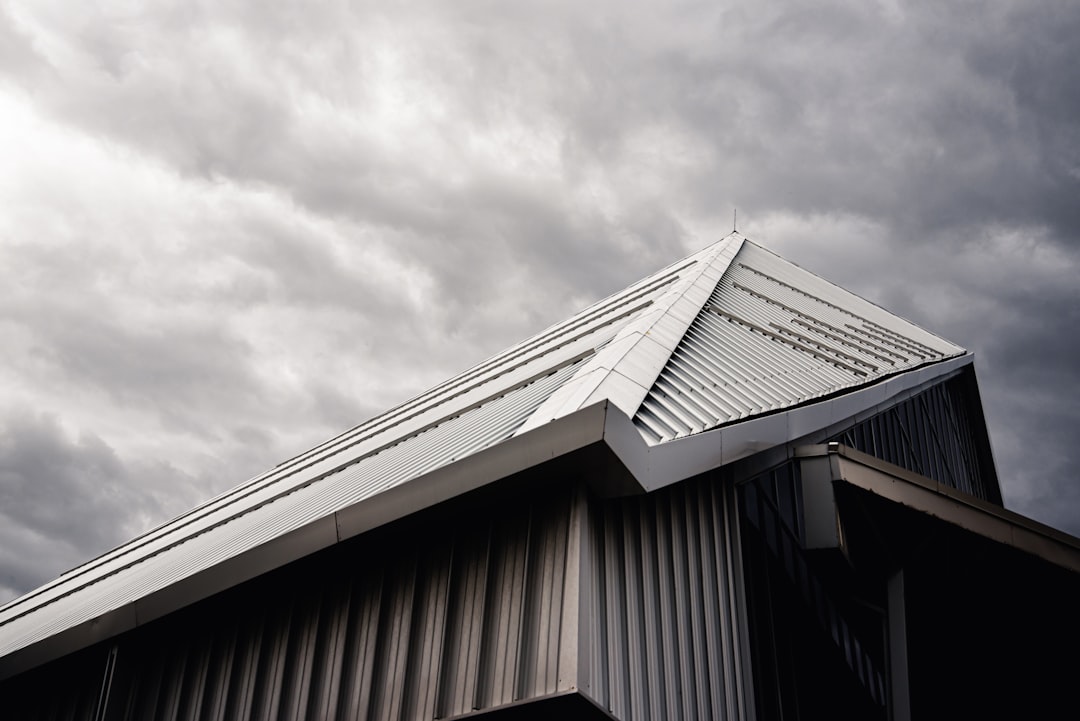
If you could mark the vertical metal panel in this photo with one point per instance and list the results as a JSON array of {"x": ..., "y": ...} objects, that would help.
[
  {"x": 244, "y": 671},
  {"x": 635, "y": 628},
  {"x": 669, "y": 643},
  {"x": 465, "y": 618},
  {"x": 392, "y": 647},
  {"x": 542, "y": 621},
  {"x": 573, "y": 651},
  {"x": 929, "y": 434},
  {"x": 300, "y": 659},
  {"x": 191, "y": 692},
  {"x": 330, "y": 656},
  {"x": 222, "y": 659},
  {"x": 394, "y": 626},
  {"x": 145, "y": 693},
  {"x": 500, "y": 632},
  {"x": 429, "y": 623},
  {"x": 357, "y": 674}
]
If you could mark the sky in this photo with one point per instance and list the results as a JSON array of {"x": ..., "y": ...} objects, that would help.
[{"x": 230, "y": 230}]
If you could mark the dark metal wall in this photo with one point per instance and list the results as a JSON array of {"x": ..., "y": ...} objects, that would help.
[
  {"x": 434, "y": 617},
  {"x": 818, "y": 642},
  {"x": 939, "y": 433},
  {"x": 666, "y": 616}
]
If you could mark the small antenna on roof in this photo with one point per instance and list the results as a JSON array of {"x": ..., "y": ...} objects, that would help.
[{"x": 734, "y": 221}]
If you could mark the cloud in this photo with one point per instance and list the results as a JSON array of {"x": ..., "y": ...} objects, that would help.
[
  {"x": 230, "y": 231},
  {"x": 64, "y": 499}
]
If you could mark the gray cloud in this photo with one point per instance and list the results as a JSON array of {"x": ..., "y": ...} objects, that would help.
[
  {"x": 230, "y": 231},
  {"x": 64, "y": 500}
]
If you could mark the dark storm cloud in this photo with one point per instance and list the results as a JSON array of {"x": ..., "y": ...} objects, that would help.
[
  {"x": 64, "y": 500},
  {"x": 1036, "y": 56},
  {"x": 1029, "y": 382}
]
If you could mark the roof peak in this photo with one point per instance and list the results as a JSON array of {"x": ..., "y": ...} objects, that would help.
[{"x": 624, "y": 370}]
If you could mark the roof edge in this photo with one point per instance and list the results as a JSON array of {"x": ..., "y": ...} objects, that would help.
[
  {"x": 953, "y": 506},
  {"x": 519, "y": 453},
  {"x": 660, "y": 465}
]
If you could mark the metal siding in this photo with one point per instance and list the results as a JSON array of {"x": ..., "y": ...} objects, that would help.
[
  {"x": 929, "y": 434},
  {"x": 397, "y": 629},
  {"x": 191, "y": 694},
  {"x": 272, "y": 663},
  {"x": 668, "y": 643},
  {"x": 326, "y": 684},
  {"x": 465, "y": 616},
  {"x": 357, "y": 675},
  {"x": 220, "y": 673}
]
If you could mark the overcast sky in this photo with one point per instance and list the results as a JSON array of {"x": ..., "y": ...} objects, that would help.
[{"x": 230, "y": 230}]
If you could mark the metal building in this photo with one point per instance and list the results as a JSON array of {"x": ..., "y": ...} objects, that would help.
[{"x": 731, "y": 491}]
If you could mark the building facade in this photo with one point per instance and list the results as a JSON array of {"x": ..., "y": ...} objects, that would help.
[{"x": 731, "y": 491}]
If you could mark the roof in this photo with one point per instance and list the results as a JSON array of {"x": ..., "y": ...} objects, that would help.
[
  {"x": 896, "y": 486},
  {"x": 718, "y": 355}
]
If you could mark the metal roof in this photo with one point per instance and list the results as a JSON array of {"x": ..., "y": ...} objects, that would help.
[
  {"x": 772, "y": 336},
  {"x": 723, "y": 335}
]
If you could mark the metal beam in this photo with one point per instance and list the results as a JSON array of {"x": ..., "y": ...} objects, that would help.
[{"x": 899, "y": 684}]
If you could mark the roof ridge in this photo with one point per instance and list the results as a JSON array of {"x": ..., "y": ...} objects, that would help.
[{"x": 626, "y": 368}]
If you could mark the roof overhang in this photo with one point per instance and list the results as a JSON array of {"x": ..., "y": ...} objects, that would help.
[
  {"x": 656, "y": 466},
  {"x": 985, "y": 599},
  {"x": 832, "y": 468}
]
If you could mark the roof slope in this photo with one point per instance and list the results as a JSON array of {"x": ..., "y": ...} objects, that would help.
[
  {"x": 725, "y": 334},
  {"x": 772, "y": 336}
]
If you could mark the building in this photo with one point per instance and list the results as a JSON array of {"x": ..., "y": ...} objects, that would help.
[{"x": 732, "y": 490}]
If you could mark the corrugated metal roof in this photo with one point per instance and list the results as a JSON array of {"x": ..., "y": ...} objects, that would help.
[{"x": 772, "y": 336}]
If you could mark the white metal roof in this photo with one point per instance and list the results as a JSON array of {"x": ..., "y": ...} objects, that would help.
[
  {"x": 726, "y": 334},
  {"x": 772, "y": 336}
]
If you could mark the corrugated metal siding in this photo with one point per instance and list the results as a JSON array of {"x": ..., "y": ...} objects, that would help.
[
  {"x": 932, "y": 434},
  {"x": 772, "y": 336},
  {"x": 392, "y": 627},
  {"x": 669, "y": 631}
]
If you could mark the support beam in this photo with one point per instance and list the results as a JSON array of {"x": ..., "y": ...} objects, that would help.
[{"x": 899, "y": 687}]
